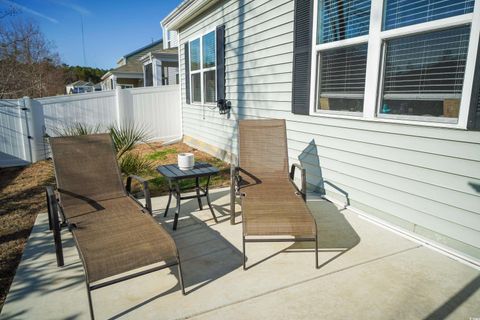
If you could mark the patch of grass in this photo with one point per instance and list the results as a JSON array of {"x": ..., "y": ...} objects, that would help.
[{"x": 161, "y": 154}]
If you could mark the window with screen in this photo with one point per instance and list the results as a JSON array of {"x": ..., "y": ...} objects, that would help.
[
  {"x": 401, "y": 13},
  {"x": 341, "y": 83},
  {"x": 423, "y": 73},
  {"x": 203, "y": 69}
]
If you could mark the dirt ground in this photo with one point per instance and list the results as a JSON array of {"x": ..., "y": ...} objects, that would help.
[{"x": 22, "y": 197}]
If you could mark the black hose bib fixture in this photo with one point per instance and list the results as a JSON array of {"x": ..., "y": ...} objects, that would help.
[{"x": 223, "y": 106}]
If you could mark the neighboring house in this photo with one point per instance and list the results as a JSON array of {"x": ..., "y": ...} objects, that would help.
[
  {"x": 142, "y": 67},
  {"x": 382, "y": 105},
  {"x": 80, "y": 86},
  {"x": 160, "y": 67}
]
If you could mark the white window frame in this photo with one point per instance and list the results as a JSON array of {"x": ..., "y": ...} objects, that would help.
[
  {"x": 375, "y": 62},
  {"x": 202, "y": 70}
]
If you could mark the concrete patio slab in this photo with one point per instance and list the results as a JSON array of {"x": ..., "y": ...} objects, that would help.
[{"x": 366, "y": 272}]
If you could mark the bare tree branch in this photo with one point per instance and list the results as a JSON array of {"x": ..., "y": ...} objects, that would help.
[{"x": 28, "y": 63}]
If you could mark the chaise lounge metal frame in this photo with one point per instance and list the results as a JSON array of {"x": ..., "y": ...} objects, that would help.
[
  {"x": 263, "y": 145},
  {"x": 59, "y": 218}
]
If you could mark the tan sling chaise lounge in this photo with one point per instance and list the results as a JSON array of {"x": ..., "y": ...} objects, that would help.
[
  {"x": 272, "y": 205},
  {"x": 113, "y": 233}
]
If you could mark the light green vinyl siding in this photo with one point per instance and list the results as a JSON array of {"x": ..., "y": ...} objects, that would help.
[{"x": 422, "y": 179}]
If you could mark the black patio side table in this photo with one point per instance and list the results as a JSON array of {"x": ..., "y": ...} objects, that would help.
[{"x": 174, "y": 175}]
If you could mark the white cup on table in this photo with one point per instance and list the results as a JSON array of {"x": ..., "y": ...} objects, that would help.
[{"x": 186, "y": 161}]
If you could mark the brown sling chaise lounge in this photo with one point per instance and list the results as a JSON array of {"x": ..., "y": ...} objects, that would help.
[
  {"x": 272, "y": 205},
  {"x": 114, "y": 234}
]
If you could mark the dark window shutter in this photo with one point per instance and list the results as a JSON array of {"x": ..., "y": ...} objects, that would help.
[
  {"x": 187, "y": 73},
  {"x": 474, "y": 113},
  {"x": 302, "y": 43},
  {"x": 221, "y": 62}
]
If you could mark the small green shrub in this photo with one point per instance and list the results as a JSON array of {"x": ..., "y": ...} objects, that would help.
[
  {"x": 134, "y": 163},
  {"x": 127, "y": 136}
]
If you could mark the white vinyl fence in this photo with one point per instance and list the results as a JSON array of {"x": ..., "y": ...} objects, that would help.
[{"x": 25, "y": 122}]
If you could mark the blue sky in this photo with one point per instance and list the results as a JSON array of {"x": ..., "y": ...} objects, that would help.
[{"x": 112, "y": 28}]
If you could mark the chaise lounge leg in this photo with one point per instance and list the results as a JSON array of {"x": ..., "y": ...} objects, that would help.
[
  {"x": 232, "y": 195},
  {"x": 197, "y": 190},
  {"x": 244, "y": 254},
  {"x": 49, "y": 211},
  {"x": 58, "y": 243},
  {"x": 168, "y": 203},
  {"x": 55, "y": 225},
  {"x": 316, "y": 251},
  {"x": 90, "y": 304},
  {"x": 177, "y": 209},
  {"x": 180, "y": 277},
  {"x": 207, "y": 195}
]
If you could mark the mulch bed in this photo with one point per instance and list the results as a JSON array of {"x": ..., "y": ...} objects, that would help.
[{"x": 22, "y": 197}]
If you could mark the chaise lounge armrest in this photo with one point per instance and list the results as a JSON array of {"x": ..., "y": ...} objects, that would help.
[
  {"x": 235, "y": 182},
  {"x": 303, "y": 173},
  {"x": 146, "y": 190},
  {"x": 235, "y": 179}
]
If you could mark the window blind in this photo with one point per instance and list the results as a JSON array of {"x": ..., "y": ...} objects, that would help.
[
  {"x": 209, "y": 86},
  {"x": 424, "y": 73},
  {"x": 430, "y": 65},
  {"x": 400, "y": 13},
  {"x": 342, "y": 19},
  {"x": 196, "y": 87},
  {"x": 342, "y": 70},
  {"x": 342, "y": 78}
]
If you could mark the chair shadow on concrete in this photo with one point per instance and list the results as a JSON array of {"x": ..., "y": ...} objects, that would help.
[
  {"x": 335, "y": 234},
  {"x": 222, "y": 210},
  {"x": 310, "y": 160},
  {"x": 455, "y": 301},
  {"x": 202, "y": 249}
]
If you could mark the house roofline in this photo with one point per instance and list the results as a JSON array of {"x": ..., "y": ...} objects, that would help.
[
  {"x": 124, "y": 57},
  {"x": 185, "y": 12},
  {"x": 154, "y": 43},
  {"x": 106, "y": 75},
  {"x": 130, "y": 75}
]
